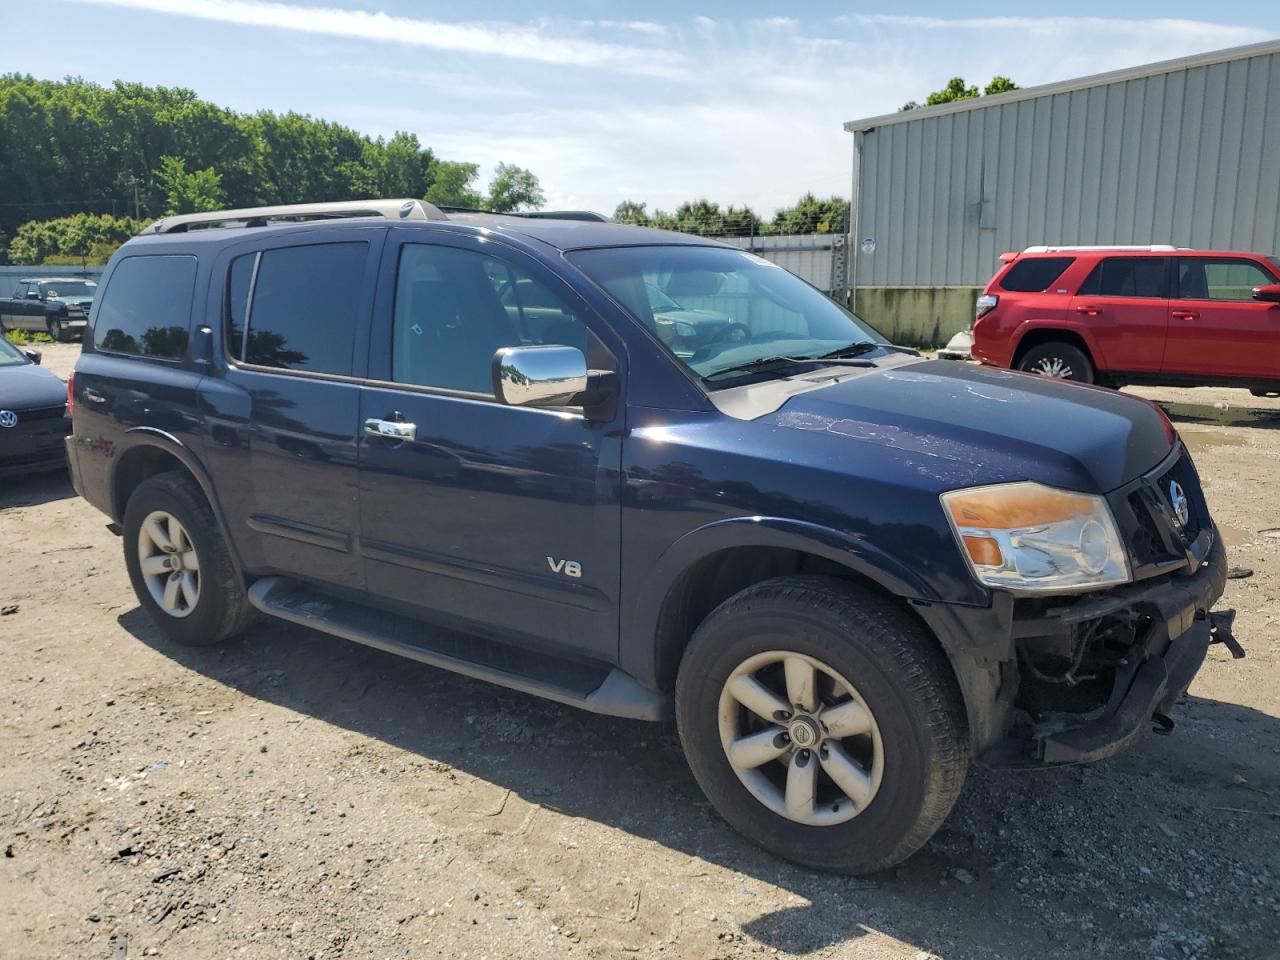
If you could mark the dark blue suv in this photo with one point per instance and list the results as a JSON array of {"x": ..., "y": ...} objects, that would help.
[{"x": 646, "y": 474}]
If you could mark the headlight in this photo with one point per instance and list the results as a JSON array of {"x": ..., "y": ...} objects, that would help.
[{"x": 1029, "y": 538}]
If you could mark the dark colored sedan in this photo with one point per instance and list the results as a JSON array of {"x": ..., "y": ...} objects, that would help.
[{"x": 32, "y": 421}]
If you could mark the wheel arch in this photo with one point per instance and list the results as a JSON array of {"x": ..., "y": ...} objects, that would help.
[
  {"x": 148, "y": 452},
  {"x": 1034, "y": 336},
  {"x": 708, "y": 565}
]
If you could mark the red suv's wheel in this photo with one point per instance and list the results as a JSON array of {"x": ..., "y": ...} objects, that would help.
[{"x": 1058, "y": 360}]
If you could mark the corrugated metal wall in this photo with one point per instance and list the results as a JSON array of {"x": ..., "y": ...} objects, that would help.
[
  {"x": 806, "y": 255},
  {"x": 1190, "y": 157}
]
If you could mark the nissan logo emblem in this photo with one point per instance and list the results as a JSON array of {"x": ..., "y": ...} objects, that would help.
[
  {"x": 1178, "y": 500},
  {"x": 8, "y": 419}
]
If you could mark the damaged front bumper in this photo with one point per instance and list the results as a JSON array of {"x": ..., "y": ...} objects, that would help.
[
  {"x": 1076, "y": 679},
  {"x": 1124, "y": 658}
]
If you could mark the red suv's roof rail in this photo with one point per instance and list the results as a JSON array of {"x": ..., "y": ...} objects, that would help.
[{"x": 1141, "y": 247}]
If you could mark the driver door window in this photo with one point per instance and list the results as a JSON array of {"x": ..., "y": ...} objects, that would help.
[{"x": 455, "y": 308}]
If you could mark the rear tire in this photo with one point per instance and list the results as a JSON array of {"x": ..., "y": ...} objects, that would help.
[
  {"x": 901, "y": 723},
  {"x": 199, "y": 598},
  {"x": 1059, "y": 361}
]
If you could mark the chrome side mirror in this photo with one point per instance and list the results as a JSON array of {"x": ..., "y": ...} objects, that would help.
[{"x": 541, "y": 376}]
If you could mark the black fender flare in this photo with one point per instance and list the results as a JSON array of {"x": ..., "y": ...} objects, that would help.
[{"x": 138, "y": 437}]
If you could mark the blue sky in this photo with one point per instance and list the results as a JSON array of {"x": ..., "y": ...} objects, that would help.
[{"x": 657, "y": 101}]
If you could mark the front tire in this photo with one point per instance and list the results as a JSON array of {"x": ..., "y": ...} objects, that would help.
[
  {"x": 56, "y": 330},
  {"x": 823, "y": 723},
  {"x": 1059, "y": 361},
  {"x": 179, "y": 564}
]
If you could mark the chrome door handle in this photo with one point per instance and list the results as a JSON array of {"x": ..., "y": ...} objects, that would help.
[{"x": 391, "y": 429}]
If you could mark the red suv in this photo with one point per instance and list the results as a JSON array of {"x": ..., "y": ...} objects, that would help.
[{"x": 1120, "y": 315}]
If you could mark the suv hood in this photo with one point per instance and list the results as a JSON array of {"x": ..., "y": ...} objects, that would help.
[
  {"x": 959, "y": 424},
  {"x": 28, "y": 386}
]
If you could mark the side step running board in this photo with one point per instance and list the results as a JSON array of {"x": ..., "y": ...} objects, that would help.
[{"x": 597, "y": 688}]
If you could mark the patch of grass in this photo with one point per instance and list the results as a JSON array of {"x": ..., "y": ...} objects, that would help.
[{"x": 21, "y": 338}]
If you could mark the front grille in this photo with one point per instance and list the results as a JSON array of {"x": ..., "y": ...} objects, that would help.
[{"x": 1145, "y": 511}]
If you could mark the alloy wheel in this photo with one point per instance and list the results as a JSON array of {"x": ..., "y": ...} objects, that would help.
[
  {"x": 169, "y": 563},
  {"x": 800, "y": 738},
  {"x": 1054, "y": 367}
]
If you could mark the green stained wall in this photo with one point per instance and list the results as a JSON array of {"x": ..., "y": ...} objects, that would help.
[{"x": 917, "y": 316}]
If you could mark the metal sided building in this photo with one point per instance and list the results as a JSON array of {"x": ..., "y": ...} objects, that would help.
[{"x": 1185, "y": 152}]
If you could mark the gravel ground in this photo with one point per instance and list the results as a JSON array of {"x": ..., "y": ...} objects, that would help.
[{"x": 292, "y": 795}]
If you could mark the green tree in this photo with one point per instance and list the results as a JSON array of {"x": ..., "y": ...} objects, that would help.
[
  {"x": 954, "y": 90},
  {"x": 628, "y": 211},
  {"x": 957, "y": 90},
  {"x": 812, "y": 215},
  {"x": 513, "y": 189},
  {"x": 193, "y": 192},
  {"x": 453, "y": 185},
  {"x": 81, "y": 238},
  {"x": 71, "y": 147}
]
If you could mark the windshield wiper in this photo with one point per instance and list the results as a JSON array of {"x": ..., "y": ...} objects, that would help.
[
  {"x": 761, "y": 362},
  {"x": 859, "y": 347}
]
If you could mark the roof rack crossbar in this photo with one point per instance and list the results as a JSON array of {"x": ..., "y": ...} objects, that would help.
[{"x": 261, "y": 216}]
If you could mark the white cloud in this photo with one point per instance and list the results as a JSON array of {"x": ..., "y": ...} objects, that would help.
[
  {"x": 1197, "y": 30},
  {"x": 475, "y": 37},
  {"x": 736, "y": 110}
]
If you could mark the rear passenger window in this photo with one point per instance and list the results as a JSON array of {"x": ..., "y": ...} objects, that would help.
[
  {"x": 304, "y": 308},
  {"x": 1128, "y": 277},
  {"x": 456, "y": 308},
  {"x": 1034, "y": 275},
  {"x": 146, "y": 308}
]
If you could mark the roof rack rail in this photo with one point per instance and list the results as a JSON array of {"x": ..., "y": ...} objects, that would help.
[
  {"x": 298, "y": 212},
  {"x": 1146, "y": 247},
  {"x": 589, "y": 215}
]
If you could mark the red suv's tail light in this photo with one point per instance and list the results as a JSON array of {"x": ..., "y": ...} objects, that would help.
[
  {"x": 986, "y": 303},
  {"x": 71, "y": 392}
]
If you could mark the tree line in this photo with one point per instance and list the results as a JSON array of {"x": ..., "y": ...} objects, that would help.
[
  {"x": 707, "y": 218},
  {"x": 81, "y": 164}
]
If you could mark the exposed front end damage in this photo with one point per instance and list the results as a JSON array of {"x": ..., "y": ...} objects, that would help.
[
  {"x": 1075, "y": 678},
  {"x": 1090, "y": 675}
]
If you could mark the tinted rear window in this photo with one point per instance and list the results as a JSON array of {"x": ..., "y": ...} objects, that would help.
[
  {"x": 1035, "y": 274},
  {"x": 146, "y": 308},
  {"x": 1128, "y": 277},
  {"x": 304, "y": 310}
]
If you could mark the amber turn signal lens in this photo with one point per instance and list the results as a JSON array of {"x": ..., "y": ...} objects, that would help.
[
  {"x": 1015, "y": 506},
  {"x": 984, "y": 551}
]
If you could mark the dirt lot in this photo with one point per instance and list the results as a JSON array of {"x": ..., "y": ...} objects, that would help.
[{"x": 292, "y": 795}]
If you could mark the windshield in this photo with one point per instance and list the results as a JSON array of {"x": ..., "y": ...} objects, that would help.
[
  {"x": 717, "y": 309},
  {"x": 11, "y": 356},
  {"x": 70, "y": 288}
]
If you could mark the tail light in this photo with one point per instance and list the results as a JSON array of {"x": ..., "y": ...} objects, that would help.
[
  {"x": 986, "y": 303},
  {"x": 71, "y": 394}
]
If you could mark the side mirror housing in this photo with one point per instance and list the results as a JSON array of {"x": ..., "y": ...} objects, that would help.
[
  {"x": 32, "y": 296},
  {"x": 547, "y": 376},
  {"x": 34, "y": 356},
  {"x": 1269, "y": 293}
]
